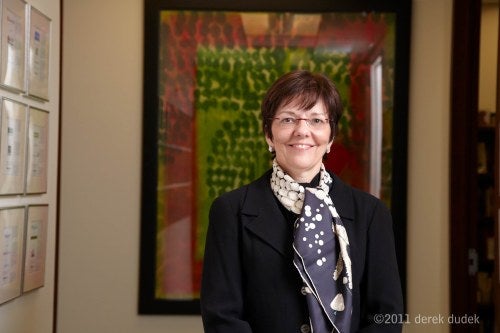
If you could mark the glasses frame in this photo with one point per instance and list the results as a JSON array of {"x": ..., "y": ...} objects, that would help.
[{"x": 296, "y": 121}]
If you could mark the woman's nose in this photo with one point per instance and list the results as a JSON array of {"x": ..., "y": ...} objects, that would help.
[{"x": 302, "y": 127}]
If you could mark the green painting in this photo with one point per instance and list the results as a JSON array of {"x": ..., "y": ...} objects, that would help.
[{"x": 214, "y": 69}]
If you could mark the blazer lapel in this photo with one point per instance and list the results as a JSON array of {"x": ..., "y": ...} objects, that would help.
[
  {"x": 341, "y": 195},
  {"x": 262, "y": 216}
]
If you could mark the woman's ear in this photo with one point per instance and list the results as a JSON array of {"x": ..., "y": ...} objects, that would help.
[
  {"x": 329, "y": 146},
  {"x": 269, "y": 141}
]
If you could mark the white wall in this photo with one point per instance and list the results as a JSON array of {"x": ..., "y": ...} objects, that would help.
[{"x": 101, "y": 167}]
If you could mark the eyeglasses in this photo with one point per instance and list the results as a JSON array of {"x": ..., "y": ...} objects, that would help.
[{"x": 290, "y": 122}]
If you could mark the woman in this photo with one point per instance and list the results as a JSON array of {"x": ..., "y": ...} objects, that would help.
[{"x": 298, "y": 250}]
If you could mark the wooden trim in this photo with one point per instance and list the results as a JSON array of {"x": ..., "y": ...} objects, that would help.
[
  {"x": 496, "y": 275},
  {"x": 463, "y": 178}
]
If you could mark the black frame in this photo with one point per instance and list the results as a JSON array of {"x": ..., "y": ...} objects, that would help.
[{"x": 148, "y": 304}]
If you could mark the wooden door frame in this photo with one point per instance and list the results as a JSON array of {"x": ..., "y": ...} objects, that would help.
[{"x": 463, "y": 150}]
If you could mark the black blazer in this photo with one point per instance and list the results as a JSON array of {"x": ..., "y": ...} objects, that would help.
[{"x": 249, "y": 283}]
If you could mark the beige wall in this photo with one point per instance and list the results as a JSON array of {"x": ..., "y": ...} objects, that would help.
[
  {"x": 101, "y": 166},
  {"x": 428, "y": 171}
]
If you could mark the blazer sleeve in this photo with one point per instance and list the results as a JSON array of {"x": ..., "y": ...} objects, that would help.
[
  {"x": 382, "y": 295},
  {"x": 221, "y": 297}
]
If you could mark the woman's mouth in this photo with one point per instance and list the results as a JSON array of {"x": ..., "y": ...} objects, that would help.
[{"x": 301, "y": 146}]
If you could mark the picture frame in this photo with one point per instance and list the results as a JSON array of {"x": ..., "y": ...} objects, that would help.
[
  {"x": 13, "y": 128},
  {"x": 193, "y": 54},
  {"x": 12, "y": 245},
  {"x": 38, "y": 55},
  {"x": 13, "y": 45},
  {"x": 35, "y": 247},
  {"x": 37, "y": 151}
]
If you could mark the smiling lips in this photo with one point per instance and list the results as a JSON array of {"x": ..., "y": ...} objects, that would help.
[{"x": 301, "y": 146}]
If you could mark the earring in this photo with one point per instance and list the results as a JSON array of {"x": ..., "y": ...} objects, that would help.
[
  {"x": 271, "y": 149},
  {"x": 328, "y": 149}
]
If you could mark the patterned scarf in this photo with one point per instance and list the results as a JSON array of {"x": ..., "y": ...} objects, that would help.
[{"x": 322, "y": 253}]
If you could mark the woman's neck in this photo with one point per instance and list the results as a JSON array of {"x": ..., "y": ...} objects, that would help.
[
  {"x": 313, "y": 183},
  {"x": 303, "y": 176}
]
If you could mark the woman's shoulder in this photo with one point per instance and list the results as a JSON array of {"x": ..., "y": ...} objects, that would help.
[
  {"x": 238, "y": 195},
  {"x": 359, "y": 197}
]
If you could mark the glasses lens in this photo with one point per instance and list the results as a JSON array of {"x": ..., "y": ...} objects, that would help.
[{"x": 292, "y": 122}]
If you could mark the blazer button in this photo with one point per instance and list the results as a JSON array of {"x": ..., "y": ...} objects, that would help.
[{"x": 305, "y": 328}]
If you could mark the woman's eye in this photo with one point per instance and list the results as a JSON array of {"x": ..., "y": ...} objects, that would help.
[
  {"x": 288, "y": 120},
  {"x": 317, "y": 121}
]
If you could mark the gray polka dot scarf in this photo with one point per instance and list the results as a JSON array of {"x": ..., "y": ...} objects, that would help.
[{"x": 322, "y": 253}]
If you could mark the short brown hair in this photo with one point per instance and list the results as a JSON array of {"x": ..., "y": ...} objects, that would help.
[{"x": 305, "y": 89}]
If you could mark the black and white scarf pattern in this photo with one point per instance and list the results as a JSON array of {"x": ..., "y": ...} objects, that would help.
[{"x": 322, "y": 253}]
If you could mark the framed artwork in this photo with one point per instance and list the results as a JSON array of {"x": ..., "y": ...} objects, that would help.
[
  {"x": 38, "y": 140},
  {"x": 36, "y": 247},
  {"x": 11, "y": 244},
  {"x": 13, "y": 45},
  {"x": 38, "y": 55},
  {"x": 207, "y": 68},
  {"x": 12, "y": 146}
]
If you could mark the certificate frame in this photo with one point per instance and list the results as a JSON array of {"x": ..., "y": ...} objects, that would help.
[
  {"x": 171, "y": 98},
  {"x": 38, "y": 62},
  {"x": 37, "y": 151},
  {"x": 13, "y": 45},
  {"x": 13, "y": 127},
  {"x": 35, "y": 247},
  {"x": 12, "y": 245}
]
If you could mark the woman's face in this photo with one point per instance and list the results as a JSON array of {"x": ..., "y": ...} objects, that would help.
[{"x": 300, "y": 148}]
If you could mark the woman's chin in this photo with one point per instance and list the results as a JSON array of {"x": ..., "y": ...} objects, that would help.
[{"x": 300, "y": 164}]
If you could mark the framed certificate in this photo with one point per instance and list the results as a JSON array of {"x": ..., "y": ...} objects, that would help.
[
  {"x": 38, "y": 132},
  {"x": 36, "y": 247},
  {"x": 38, "y": 55},
  {"x": 11, "y": 245},
  {"x": 13, "y": 44},
  {"x": 12, "y": 146}
]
